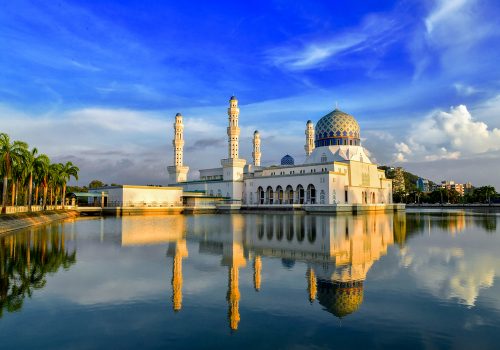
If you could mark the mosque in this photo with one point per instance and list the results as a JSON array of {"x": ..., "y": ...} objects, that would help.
[{"x": 337, "y": 174}]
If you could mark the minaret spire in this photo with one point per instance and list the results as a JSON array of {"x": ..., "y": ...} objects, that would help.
[
  {"x": 178, "y": 172},
  {"x": 256, "y": 148},
  {"x": 233, "y": 130},
  {"x": 233, "y": 165},
  {"x": 309, "y": 146},
  {"x": 178, "y": 141}
]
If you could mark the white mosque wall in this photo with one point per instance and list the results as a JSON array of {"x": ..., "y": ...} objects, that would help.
[{"x": 128, "y": 195}]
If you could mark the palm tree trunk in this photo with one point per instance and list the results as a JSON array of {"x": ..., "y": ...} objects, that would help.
[
  {"x": 44, "y": 197},
  {"x": 13, "y": 194},
  {"x": 36, "y": 194},
  {"x": 4, "y": 194},
  {"x": 63, "y": 199},
  {"x": 30, "y": 191}
]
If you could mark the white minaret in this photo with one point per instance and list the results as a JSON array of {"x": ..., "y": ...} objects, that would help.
[
  {"x": 233, "y": 131},
  {"x": 309, "y": 146},
  {"x": 178, "y": 172},
  {"x": 256, "y": 148},
  {"x": 233, "y": 165}
]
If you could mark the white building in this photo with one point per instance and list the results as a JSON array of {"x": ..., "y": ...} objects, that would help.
[{"x": 337, "y": 174}]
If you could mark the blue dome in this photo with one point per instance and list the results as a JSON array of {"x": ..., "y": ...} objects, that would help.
[
  {"x": 287, "y": 160},
  {"x": 337, "y": 128}
]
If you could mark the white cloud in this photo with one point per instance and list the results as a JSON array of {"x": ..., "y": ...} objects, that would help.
[
  {"x": 447, "y": 135},
  {"x": 465, "y": 90},
  {"x": 374, "y": 33},
  {"x": 443, "y": 12}
]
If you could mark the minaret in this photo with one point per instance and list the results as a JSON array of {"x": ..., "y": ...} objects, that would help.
[
  {"x": 256, "y": 148},
  {"x": 233, "y": 166},
  {"x": 309, "y": 146},
  {"x": 178, "y": 172},
  {"x": 233, "y": 130}
]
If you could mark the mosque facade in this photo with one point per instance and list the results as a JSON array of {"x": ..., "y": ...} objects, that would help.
[{"x": 337, "y": 174}]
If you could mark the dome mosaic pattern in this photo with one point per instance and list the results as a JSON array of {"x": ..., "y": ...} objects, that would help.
[
  {"x": 341, "y": 299},
  {"x": 287, "y": 160},
  {"x": 337, "y": 124}
]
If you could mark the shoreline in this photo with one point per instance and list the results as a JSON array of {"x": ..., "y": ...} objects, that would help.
[{"x": 19, "y": 221}]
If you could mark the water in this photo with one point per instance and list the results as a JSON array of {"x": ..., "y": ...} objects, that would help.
[{"x": 411, "y": 280}]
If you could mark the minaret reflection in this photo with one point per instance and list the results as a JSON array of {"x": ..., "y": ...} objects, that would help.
[
  {"x": 311, "y": 284},
  {"x": 233, "y": 256},
  {"x": 257, "y": 268},
  {"x": 146, "y": 230},
  {"x": 178, "y": 250}
]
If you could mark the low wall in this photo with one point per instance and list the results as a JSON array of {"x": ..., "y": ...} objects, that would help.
[{"x": 11, "y": 222}]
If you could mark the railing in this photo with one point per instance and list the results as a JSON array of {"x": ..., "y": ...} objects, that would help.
[
  {"x": 34, "y": 208},
  {"x": 142, "y": 204}
]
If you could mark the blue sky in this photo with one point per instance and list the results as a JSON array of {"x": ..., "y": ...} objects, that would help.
[{"x": 99, "y": 83}]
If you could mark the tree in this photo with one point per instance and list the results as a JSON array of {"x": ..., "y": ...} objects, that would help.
[
  {"x": 42, "y": 174},
  {"x": 96, "y": 183},
  {"x": 9, "y": 153},
  {"x": 54, "y": 181},
  {"x": 29, "y": 164},
  {"x": 68, "y": 170}
]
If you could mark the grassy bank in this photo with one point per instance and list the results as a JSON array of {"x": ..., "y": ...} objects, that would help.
[{"x": 17, "y": 221}]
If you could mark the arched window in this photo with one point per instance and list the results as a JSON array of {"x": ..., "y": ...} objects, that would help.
[
  {"x": 289, "y": 194},
  {"x": 300, "y": 194},
  {"x": 323, "y": 158},
  {"x": 311, "y": 194},
  {"x": 260, "y": 195},
  {"x": 269, "y": 195},
  {"x": 279, "y": 195}
]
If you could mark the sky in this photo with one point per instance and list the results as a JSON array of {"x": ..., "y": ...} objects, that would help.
[{"x": 99, "y": 83}]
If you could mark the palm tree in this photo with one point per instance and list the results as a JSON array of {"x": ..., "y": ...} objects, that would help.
[
  {"x": 29, "y": 165},
  {"x": 67, "y": 171},
  {"x": 40, "y": 163},
  {"x": 9, "y": 153},
  {"x": 54, "y": 181},
  {"x": 42, "y": 173}
]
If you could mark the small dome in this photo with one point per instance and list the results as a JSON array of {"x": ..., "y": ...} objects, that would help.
[
  {"x": 337, "y": 128},
  {"x": 309, "y": 122},
  {"x": 178, "y": 115},
  {"x": 287, "y": 160},
  {"x": 233, "y": 98},
  {"x": 256, "y": 132},
  {"x": 340, "y": 298}
]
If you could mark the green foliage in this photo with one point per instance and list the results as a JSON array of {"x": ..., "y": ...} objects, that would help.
[
  {"x": 96, "y": 183},
  {"x": 26, "y": 169}
]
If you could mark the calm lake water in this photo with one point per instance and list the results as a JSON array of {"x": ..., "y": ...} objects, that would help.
[{"x": 414, "y": 280}]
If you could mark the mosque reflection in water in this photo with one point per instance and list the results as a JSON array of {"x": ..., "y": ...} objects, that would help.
[{"x": 337, "y": 252}]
